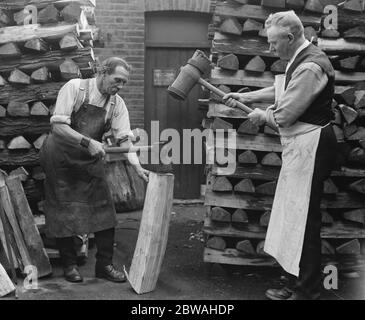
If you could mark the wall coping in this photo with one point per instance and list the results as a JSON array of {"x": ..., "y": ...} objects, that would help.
[{"x": 178, "y": 5}]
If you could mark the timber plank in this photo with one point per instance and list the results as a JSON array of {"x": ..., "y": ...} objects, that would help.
[{"x": 17, "y": 159}]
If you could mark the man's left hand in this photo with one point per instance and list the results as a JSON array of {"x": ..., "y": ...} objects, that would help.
[{"x": 257, "y": 117}]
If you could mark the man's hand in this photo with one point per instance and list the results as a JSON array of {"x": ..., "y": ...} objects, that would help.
[
  {"x": 257, "y": 117},
  {"x": 231, "y": 99},
  {"x": 143, "y": 173},
  {"x": 96, "y": 149}
]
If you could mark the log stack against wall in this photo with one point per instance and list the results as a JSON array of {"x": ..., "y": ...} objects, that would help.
[{"x": 239, "y": 204}]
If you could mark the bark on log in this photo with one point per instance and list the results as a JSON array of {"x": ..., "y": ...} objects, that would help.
[
  {"x": 256, "y": 65},
  {"x": 11, "y": 158},
  {"x": 39, "y": 109},
  {"x": 18, "y": 109},
  {"x": 19, "y": 77},
  {"x": 19, "y": 143}
]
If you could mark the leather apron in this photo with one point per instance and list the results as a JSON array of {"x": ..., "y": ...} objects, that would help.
[{"x": 77, "y": 196}]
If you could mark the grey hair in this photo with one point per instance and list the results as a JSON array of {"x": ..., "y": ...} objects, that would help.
[
  {"x": 287, "y": 21},
  {"x": 109, "y": 65}
]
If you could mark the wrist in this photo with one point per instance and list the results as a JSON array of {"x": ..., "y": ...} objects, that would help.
[{"x": 85, "y": 142}]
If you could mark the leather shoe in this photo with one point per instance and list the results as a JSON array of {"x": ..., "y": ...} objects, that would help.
[
  {"x": 110, "y": 273},
  {"x": 72, "y": 274},
  {"x": 285, "y": 294}
]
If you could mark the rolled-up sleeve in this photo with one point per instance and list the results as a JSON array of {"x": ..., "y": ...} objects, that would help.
[
  {"x": 307, "y": 82},
  {"x": 66, "y": 101},
  {"x": 120, "y": 124}
]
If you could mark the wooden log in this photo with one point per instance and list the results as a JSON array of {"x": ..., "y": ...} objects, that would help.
[
  {"x": 71, "y": 13},
  {"x": 36, "y": 31},
  {"x": 268, "y": 130},
  {"x": 349, "y": 114},
  {"x": 153, "y": 233},
  {"x": 338, "y": 133},
  {"x": 40, "y": 140},
  {"x": 330, "y": 33},
  {"x": 345, "y": 95},
  {"x": 39, "y": 109},
  {"x": 357, "y": 155},
  {"x": 216, "y": 243},
  {"x": 351, "y": 247},
  {"x": 239, "y": 216},
  {"x": 279, "y": 66},
  {"x": 247, "y": 127},
  {"x": 37, "y": 45},
  {"x": 245, "y": 186},
  {"x": 358, "y": 186},
  {"x": 32, "y": 238},
  {"x": 2, "y": 81},
  {"x": 48, "y": 15},
  {"x": 314, "y": 6},
  {"x": 69, "y": 70},
  {"x": 19, "y": 17},
  {"x": 349, "y": 130},
  {"x": 359, "y": 99},
  {"x": 341, "y": 46},
  {"x": 245, "y": 247},
  {"x": 260, "y": 249},
  {"x": 267, "y": 188},
  {"x": 9, "y": 50},
  {"x": 329, "y": 187},
  {"x": 295, "y": 4},
  {"x": 19, "y": 143},
  {"x": 354, "y": 5},
  {"x": 271, "y": 159},
  {"x": 70, "y": 42},
  {"x": 247, "y": 157},
  {"x": 6, "y": 285},
  {"x": 231, "y": 26},
  {"x": 265, "y": 219},
  {"x": 18, "y": 109},
  {"x": 10, "y": 127},
  {"x": 256, "y": 64},
  {"x": 229, "y": 62},
  {"x": 221, "y": 124},
  {"x": 18, "y": 77},
  {"x": 38, "y": 173},
  {"x": 349, "y": 63},
  {"x": 326, "y": 248},
  {"x": 9, "y": 158},
  {"x": 220, "y": 215},
  {"x": 252, "y": 26},
  {"x": 222, "y": 184},
  {"x": 20, "y": 173},
  {"x": 357, "y": 215},
  {"x": 358, "y": 135},
  {"x": 2, "y": 112},
  {"x": 273, "y": 3},
  {"x": 311, "y": 34},
  {"x": 41, "y": 75},
  {"x": 326, "y": 218},
  {"x": 338, "y": 118},
  {"x": 5, "y": 19}
]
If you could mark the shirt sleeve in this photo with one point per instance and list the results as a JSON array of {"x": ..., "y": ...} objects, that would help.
[
  {"x": 120, "y": 124},
  {"x": 307, "y": 82},
  {"x": 66, "y": 101}
]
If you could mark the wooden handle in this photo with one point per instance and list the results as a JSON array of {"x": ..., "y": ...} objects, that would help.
[{"x": 126, "y": 149}]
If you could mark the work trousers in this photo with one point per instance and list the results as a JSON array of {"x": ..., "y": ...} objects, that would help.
[
  {"x": 104, "y": 244},
  {"x": 309, "y": 281}
]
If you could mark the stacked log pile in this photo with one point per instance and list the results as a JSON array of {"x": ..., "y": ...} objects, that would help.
[{"x": 239, "y": 204}]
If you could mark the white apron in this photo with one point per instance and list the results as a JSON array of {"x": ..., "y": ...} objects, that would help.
[{"x": 285, "y": 235}]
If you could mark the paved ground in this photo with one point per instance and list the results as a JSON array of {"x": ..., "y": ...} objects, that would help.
[{"x": 184, "y": 275}]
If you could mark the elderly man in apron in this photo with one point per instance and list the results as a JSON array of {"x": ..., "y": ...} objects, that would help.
[
  {"x": 77, "y": 197},
  {"x": 302, "y": 114}
]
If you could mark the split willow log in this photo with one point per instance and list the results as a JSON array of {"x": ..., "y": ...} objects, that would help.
[{"x": 220, "y": 215}]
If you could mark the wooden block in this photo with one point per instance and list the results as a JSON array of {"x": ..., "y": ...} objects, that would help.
[
  {"x": 245, "y": 186},
  {"x": 273, "y": 3},
  {"x": 48, "y": 15},
  {"x": 20, "y": 173},
  {"x": 229, "y": 62},
  {"x": 357, "y": 155},
  {"x": 252, "y": 26},
  {"x": 39, "y": 142},
  {"x": 263, "y": 33},
  {"x": 338, "y": 117},
  {"x": 350, "y": 62},
  {"x": 32, "y": 238},
  {"x": 265, "y": 219},
  {"x": 256, "y": 65},
  {"x": 247, "y": 157},
  {"x": 260, "y": 249},
  {"x": 6, "y": 285},
  {"x": 220, "y": 215},
  {"x": 345, "y": 95},
  {"x": 239, "y": 216},
  {"x": 2, "y": 112},
  {"x": 329, "y": 187},
  {"x": 71, "y": 13},
  {"x": 267, "y": 188},
  {"x": 268, "y": 130},
  {"x": 216, "y": 243},
  {"x": 351, "y": 247},
  {"x": 279, "y": 66},
  {"x": 9, "y": 50},
  {"x": 153, "y": 234},
  {"x": 19, "y": 143},
  {"x": 70, "y": 42},
  {"x": 295, "y": 4},
  {"x": 338, "y": 133},
  {"x": 356, "y": 33},
  {"x": 247, "y": 127},
  {"x": 4, "y": 18},
  {"x": 39, "y": 109},
  {"x": 354, "y": 5},
  {"x": 310, "y": 34},
  {"x": 314, "y": 6},
  {"x": 271, "y": 159},
  {"x": 359, "y": 99},
  {"x": 3, "y": 82},
  {"x": 330, "y": 33},
  {"x": 18, "y": 77},
  {"x": 41, "y": 75},
  {"x": 231, "y": 26},
  {"x": 18, "y": 109},
  {"x": 38, "y": 173},
  {"x": 37, "y": 45},
  {"x": 69, "y": 70},
  {"x": 358, "y": 186},
  {"x": 222, "y": 184},
  {"x": 349, "y": 130},
  {"x": 326, "y": 248},
  {"x": 358, "y": 135},
  {"x": 326, "y": 218},
  {"x": 357, "y": 215},
  {"x": 245, "y": 247},
  {"x": 2, "y": 145}
]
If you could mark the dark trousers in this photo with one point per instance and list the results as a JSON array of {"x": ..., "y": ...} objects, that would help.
[
  {"x": 104, "y": 244},
  {"x": 310, "y": 275}
]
